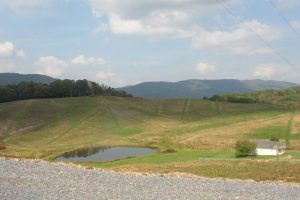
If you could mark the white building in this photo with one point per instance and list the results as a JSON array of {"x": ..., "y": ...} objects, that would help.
[{"x": 269, "y": 148}]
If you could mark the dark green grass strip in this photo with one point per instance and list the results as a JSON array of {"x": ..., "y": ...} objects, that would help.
[
  {"x": 184, "y": 108},
  {"x": 289, "y": 129},
  {"x": 158, "y": 109}
]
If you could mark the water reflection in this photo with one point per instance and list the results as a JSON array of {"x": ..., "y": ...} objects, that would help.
[
  {"x": 104, "y": 154},
  {"x": 84, "y": 152}
]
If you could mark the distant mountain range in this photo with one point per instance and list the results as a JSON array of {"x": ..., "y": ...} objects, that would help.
[
  {"x": 200, "y": 88},
  {"x": 183, "y": 89},
  {"x": 10, "y": 78}
]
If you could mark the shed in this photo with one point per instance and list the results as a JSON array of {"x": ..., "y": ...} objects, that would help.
[{"x": 272, "y": 148}]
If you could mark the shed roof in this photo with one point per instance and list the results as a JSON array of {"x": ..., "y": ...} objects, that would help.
[{"x": 264, "y": 144}]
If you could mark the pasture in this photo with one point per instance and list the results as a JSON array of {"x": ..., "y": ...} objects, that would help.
[{"x": 192, "y": 136}]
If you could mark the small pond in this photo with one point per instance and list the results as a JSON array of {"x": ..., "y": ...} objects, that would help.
[{"x": 101, "y": 154}]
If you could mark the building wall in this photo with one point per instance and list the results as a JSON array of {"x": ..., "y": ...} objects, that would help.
[{"x": 266, "y": 152}]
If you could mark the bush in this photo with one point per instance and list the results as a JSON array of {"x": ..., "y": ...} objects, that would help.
[
  {"x": 275, "y": 139},
  {"x": 244, "y": 148},
  {"x": 168, "y": 150},
  {"x": 2, "y": 146}
]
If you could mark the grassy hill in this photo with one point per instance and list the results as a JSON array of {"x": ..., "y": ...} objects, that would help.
[
  {"x": 200, "y": 88},
  {"x": 192, "y": 129}
]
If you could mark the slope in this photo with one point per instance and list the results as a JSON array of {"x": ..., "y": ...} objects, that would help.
[
  {"x": 192, "y": 136},
  {"x": 49, "y": 127}
]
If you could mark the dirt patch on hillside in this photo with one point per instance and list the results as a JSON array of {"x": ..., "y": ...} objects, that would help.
[
  {"x": 296, "y": 124},
  {"x": 226, "y": 136}
]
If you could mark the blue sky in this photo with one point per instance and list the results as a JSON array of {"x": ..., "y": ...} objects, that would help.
[{"x": 130, "y": 41}]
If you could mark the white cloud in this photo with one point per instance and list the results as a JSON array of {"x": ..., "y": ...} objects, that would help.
[
  {"x": 49, "y": 65},
  {"x": 265, "y": 71},
  {"x": 53, "y": 66},
  {"x": 104, "y": 75},
  {"x": 158, "y": 23},
  {"x": 180, "y": 19},
  {"x": 287, "y": 4},
  {"x": 6, "y": 49},
  {"x": 137, "y": 8},
  {"x": 16, "y": 4},
  {"x": 9, "y": 57},
  {"x": 270, "y": 70},
  {"x": 83, "y": 60},
  {"x": 21, "y": 53},
  {"x": 242, "y": 40},
  {"x": 295, "y": 24},
  {"x": 150, "y": 18},
  {"x": 204, "y": 68}
]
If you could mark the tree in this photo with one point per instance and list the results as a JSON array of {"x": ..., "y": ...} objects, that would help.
[
  {"x": 215, "y": 97},
  {"x": 82, "y": 88},
  {"x": 245, "y": 148},
  {"x": 56, "y": 89}
]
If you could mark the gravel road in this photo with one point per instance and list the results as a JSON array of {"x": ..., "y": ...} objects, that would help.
[{"x": 27, "y": 179}]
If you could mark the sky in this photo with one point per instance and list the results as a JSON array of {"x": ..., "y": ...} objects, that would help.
[{"x": 125, "y": 42}]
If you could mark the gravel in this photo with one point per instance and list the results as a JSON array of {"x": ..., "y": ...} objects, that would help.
[{"x": 35, "y": 179}]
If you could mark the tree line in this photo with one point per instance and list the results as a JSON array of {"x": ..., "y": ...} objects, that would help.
[
  {"x": 57, "y": 89},
  {"x": 266, "y": 96}
]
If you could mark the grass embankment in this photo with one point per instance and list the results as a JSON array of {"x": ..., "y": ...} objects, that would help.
[
  {"x": 194, "y": 129},
  {"x": 259, "y": 170}
]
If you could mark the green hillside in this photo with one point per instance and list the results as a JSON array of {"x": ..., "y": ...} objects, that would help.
[
  {"x": 46, "y": 128},
  {"x": 191, "y": 129}
]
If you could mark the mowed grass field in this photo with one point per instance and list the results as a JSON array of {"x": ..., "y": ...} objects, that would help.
[{"x": 199, "y": 135}]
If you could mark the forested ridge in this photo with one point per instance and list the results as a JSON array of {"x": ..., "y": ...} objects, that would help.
[
  {"x": 56, "y": 89},
  {"x": 15, "y": 78},
  {"x": 265, "y": 96},
  {"x": 195, "y": 88}
]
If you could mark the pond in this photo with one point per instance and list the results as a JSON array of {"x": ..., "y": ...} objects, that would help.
[{"x": 101, "y": 154}]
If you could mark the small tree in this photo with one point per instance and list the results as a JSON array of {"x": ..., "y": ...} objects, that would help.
[{"x": 244, "y": 148}]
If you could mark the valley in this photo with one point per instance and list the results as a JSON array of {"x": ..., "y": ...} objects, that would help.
[{"x": 191, "y": 136}]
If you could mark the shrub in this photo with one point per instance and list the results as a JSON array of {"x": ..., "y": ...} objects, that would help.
[
  {"x": 276, "y": 139},
  {"x": 168, "y": 150},
  {"x": 244, "y": 148},
  {"x": 2, "y": 146}
]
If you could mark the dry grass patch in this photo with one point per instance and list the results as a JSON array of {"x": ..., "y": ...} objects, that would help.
[
  {"x": 226, "y": 136},
  {"x": 295, "y": 144},
  {"x": 155, "y": 129},
  {"x": 257, "y": 170}
]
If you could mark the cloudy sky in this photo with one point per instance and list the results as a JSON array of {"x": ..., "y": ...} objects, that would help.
[{"x": 130, "y": 41}]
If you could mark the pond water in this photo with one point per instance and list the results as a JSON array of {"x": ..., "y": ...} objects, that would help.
[{"x": 104, "y": 154}]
